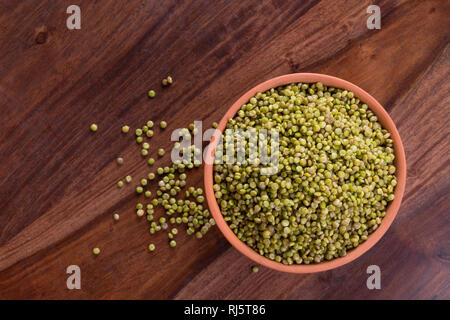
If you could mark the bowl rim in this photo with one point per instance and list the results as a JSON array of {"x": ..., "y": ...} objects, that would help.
[{"x": 391, "y": 211}]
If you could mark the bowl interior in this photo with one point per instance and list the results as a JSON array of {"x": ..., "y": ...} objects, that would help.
[{"x": 400, "y": 163}]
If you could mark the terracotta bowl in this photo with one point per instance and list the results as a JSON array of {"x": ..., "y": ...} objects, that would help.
[{"x": 392, "y": 209}]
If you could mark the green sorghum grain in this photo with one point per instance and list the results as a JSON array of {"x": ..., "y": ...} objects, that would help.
[
  {"x": 148, "y": 194},
  {"x": 128, "y": 179},
  {"x": 96, "y": 251},
  {"x": 139, "y": 189},
  {"x": 151, "y": 161},
  {"x": 151, "y": 247},
  {"x": 125, "y": 129},
  {"x": 151, "y": 93},
  {"x": 120, "y": 184},
  {"x": 173, "y": 243},
  {"x": 255, "y": 269},
  {"x": 93, "y": 127},
  {"x": 334, "y": 181},
  {"x": 161, "y": 152},
  {"x": 151, "y": 176},
  {"x": 116, "y": 216},
  {"x": 163, "y": 124}
]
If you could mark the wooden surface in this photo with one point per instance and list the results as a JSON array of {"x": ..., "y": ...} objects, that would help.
[{"x": 57, "y": 179}]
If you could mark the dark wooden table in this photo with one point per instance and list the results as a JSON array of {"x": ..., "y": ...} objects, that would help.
[{"x": 58, "y": 180}]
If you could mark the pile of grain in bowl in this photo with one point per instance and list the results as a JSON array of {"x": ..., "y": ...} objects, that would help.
[{"x": 335, "y": 178}]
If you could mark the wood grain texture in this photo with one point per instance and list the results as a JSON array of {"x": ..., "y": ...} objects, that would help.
[{"x": 57, "y": 179}]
